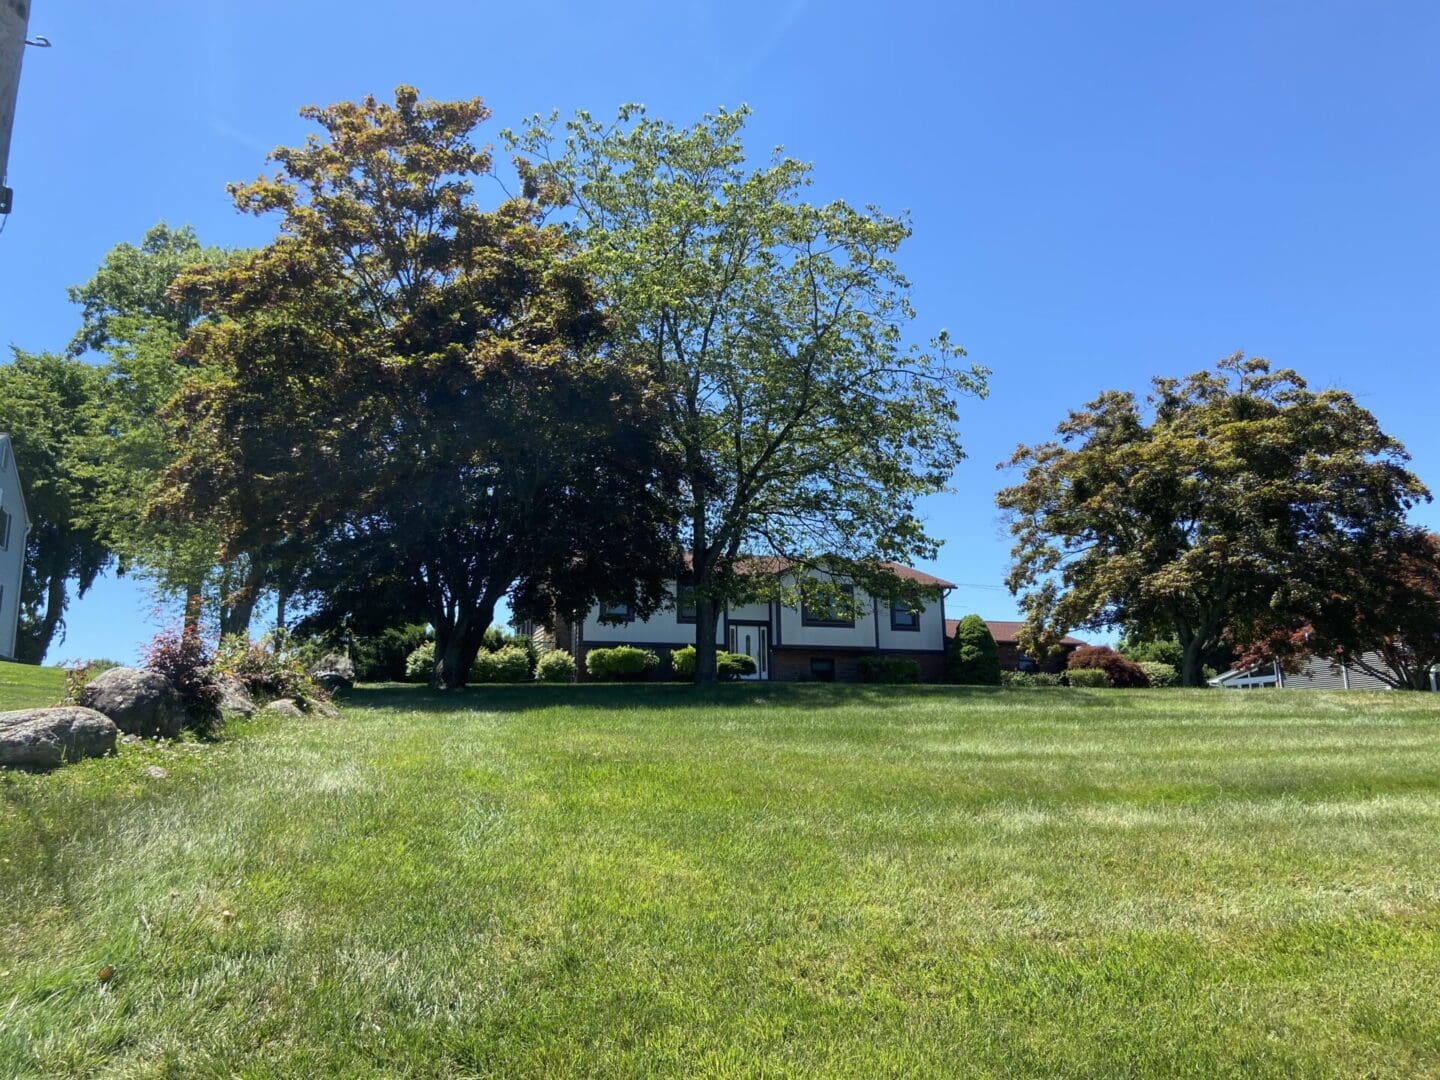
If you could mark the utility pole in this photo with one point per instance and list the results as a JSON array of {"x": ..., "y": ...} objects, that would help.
[{"x": 14, "y": 25}]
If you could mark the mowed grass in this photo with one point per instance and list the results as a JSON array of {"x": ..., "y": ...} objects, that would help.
[
  {"x": 24, "y": 686},
  {"x": 751, "y": 881}
]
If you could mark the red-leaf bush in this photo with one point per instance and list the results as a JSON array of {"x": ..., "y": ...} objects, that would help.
[
  {"x": 1123, "y": 674},
  {"x": 181, "y": 656}
]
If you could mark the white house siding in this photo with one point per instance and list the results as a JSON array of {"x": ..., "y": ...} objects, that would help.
[
  {"x": 662, "y": 628},
  {"x": 1322, "y": 674},
  {"x": 1318, "y": 673},
  {"x": 12, "y": 555},
  {"x": 788, "y": 635},
  {"x": 930, "y": 636}
]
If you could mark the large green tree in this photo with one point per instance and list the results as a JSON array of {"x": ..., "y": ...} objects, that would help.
[
  {"x": 49, "y": 405},
  {"x": 1237, "y": 494},
  {"x": 419, "y": 390},
  {"x": 133, "y": 324},
  {"x": 807, "y": 428}
]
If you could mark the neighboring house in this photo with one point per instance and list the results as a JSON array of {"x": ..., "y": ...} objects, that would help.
[
  {"x": 14, "y": 527},
  {"x": 1011, "y": 658},
  {"x": 788, "y": 643},
  {"x": 1317, "y": 673}
]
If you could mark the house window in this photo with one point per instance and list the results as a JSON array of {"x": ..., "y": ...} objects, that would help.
[
  {"x": 822, "y": 668},
  {"x": 4, "y": 530},
  {"x": 686, "y": 609},
  {"x": 830, "y": 610},
  {"x": 903, "y": 616},
  {"x": 615, "y": 613}
]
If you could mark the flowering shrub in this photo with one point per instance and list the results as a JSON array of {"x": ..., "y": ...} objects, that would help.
[
  {"x": 268, "y": 668},
  {"x": 181, "y": 656}
]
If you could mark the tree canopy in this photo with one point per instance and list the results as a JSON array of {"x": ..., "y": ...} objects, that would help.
[
  {"x": 806, "y": 427},
  {"x": 1238, "y": 494},
  {"x": 48, "y": 407},
  {"x": 422, "y": 392},
  {"x": 134, "y": 324},
  {"x": 1380, "y": 614}
]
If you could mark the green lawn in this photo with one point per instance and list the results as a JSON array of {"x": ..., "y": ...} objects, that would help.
[
  {"x": 23, "y": 686},
  {"x": 801, "y": 880}
]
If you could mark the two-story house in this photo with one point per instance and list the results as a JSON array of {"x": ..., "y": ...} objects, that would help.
[
  {"x": 789, "y": 643},
  {"x": 14, "y": 527}
]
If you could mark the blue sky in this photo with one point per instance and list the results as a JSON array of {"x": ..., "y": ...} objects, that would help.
[{"x": 1100, "y": 192}]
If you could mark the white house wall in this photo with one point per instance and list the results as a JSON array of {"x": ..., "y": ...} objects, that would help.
[
  {"x": 664, "y": 628},
  {"x": 12, "y": 556}
]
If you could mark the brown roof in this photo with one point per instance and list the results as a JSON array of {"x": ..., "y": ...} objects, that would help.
[
  {"x": 1002, "y": 630},
  {"x": 773, "y": 564}
]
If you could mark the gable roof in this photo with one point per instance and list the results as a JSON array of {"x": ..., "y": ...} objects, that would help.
[
  {"x": 774, "y": 564},
  {"x": 1004, "y": 630}
]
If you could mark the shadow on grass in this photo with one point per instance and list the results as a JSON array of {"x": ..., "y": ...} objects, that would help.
[{"x": 628, "y": 696}]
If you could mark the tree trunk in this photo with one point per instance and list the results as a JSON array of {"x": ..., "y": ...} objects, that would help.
[
  {"x": 706, "y": 615},
  {"x": 238, "y": 608},
  {"x": 194, "y": 600},
  {"x": 282, "y": 597},
  {"x": 457, "y": 645},
  {"x": 1192, "y": 660},
  {"x": 33, "y": 651}
]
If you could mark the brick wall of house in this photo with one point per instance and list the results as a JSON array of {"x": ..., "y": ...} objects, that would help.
[
  {"x": 793, "y": 665},
  {"x": 1010, "y": 658}
]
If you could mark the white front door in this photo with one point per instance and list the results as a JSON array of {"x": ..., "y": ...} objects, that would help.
[{"x": 754, "y": 642}]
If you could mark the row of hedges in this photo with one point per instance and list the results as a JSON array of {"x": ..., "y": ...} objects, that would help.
[
  {"x": 513, "y": 663},
  {"x": 889, "y": 669},
  {"x": 627, "y": 662},
  {"x": 974, "y": 660}
]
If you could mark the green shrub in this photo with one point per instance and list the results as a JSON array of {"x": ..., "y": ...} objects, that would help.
[
  {"x": 496, "y": 638},
  {"x": 270, "y": 668},
  {"x": 420, "y": 664},
  {"x": 1025, "y": 680},
  {"x": 1123, "y": 674},
  {"x": 620, "y": 663},
  {"x": 1091, "y": 678},
  {"x": 381, "y": 657},
  {"x": 510, "y": 665},
  {"x": 889, "y": 669},
  {"x": 1160, "y": 674},
  {"x": 555, "y": 667},
  {"x": 728, "y": 665},
  {"x": 80, "y": 674},
  {"x": 974, "y": 658}
]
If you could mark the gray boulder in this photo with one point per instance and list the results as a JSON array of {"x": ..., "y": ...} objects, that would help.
[
  {"x": 335, "y": 671},
  {"x": 43, "y": 738},
  {"x": 284, "y": 707},
  {"x": 140, "y": 702},
  {"x": 235, "y": 700}
]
